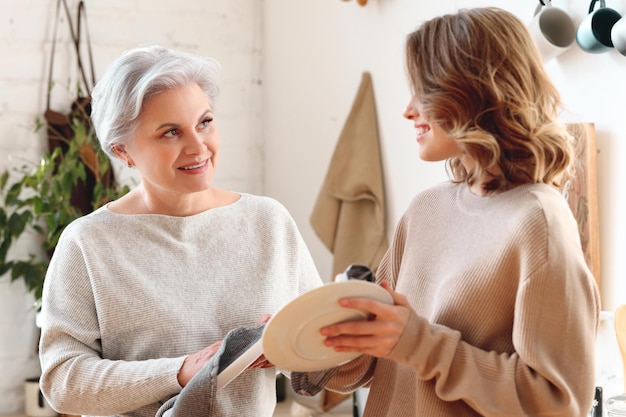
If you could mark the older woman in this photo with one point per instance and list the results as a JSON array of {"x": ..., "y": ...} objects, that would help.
[{"x": 140, "y": 293}]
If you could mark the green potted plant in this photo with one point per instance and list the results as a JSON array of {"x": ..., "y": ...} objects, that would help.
[{"x": 73, "y": 178}]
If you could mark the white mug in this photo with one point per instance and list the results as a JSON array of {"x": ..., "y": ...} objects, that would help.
[
  {"x": 594, "y": 32},
  {"x": 34, "y": 401},
  {"x": 552, "y": 29},
  {"x": 618, "y": 35}
]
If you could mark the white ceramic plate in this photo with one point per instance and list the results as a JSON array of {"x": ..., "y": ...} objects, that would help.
[
  {"x": 240, "y": 364},
  {"x": 292, "y": 339}
]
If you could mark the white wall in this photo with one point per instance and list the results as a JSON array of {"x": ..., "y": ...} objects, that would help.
[
  {"x": 315, "y": 53},
  {"x": 230, "y": 31}
]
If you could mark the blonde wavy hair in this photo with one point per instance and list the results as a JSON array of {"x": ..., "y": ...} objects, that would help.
[{"x": 480, "y": 77}]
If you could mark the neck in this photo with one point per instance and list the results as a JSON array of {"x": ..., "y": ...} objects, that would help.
[
  {"x": 176, "y": 205},
  {"x": 477, "y": 188}
]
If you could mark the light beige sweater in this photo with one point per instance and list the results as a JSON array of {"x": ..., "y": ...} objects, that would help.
[
  {"x": 505, "y": 310},
  {"x": 127, "y": 297}
]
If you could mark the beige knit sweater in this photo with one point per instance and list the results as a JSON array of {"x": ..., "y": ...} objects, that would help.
[{"x": 505, "y": 310}]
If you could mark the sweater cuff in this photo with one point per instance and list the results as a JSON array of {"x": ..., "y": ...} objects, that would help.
[
  {"x": 407, "y": 344},
  {"x": 429, "y": 348}
]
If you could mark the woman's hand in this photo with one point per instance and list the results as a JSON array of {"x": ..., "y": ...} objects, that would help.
[
  {"x": 194, "y": 362},
  {"x": 376, "y": 336},
  {"x": 262, "y": 362}
]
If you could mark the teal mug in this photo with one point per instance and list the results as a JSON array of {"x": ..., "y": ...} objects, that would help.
[{"x": 594, "y": 32}]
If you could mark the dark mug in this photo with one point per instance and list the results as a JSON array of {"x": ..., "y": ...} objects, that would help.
[{"x": 594, "y": 32}]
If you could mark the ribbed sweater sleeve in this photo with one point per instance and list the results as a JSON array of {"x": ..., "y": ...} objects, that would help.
[{"x": 127, "y": 297}]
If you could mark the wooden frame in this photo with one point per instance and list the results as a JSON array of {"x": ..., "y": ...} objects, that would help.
[{"x": 582, "y": 194}]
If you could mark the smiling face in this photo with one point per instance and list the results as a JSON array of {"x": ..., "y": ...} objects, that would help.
[
  {"x": 176, "y": 143},
  {"x": 434, "y": 142}
]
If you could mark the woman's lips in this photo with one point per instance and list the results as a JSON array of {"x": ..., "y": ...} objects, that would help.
[
  {"x": 421, "y": 130},
  {"x": 194, "y": 166}
]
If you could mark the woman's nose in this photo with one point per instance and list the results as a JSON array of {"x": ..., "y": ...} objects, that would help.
[
  {"x": 195, "y": 143},
  {"x": 409, "y": 111}
]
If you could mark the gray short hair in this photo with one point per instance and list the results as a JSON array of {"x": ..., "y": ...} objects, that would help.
[{"x": 139, "y": 74}]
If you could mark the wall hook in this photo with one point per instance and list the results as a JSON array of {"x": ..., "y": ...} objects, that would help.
[{"x": 361, "y": 2}]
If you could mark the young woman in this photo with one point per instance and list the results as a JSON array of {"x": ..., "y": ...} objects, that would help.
[{"x": 495, "y": 310}]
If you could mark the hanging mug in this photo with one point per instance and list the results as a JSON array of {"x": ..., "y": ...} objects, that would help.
[
  {"x": 552, "y": 29},
  {"x": 618, "y": 36},
  {"x": 594, "y": 32}
]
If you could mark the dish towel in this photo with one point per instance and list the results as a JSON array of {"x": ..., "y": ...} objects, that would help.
[
  {"x": 349, "y": 214},
  {"x": 197, "y": 398}
]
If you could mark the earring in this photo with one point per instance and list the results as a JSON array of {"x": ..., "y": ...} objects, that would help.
[{"x": 129, "y": 164}]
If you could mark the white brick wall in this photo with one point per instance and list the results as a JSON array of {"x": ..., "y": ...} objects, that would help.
[{"x": 228, "y": 30}]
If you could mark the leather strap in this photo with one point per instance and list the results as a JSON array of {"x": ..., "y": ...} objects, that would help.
[{"x": 81, "y": 15}]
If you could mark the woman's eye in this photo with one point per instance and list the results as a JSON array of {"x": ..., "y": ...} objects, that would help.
[
  {"x": 170, "y": 133},
  {"x": 206, "y": 122}
]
